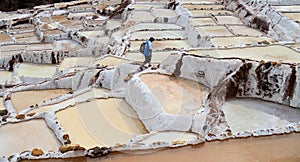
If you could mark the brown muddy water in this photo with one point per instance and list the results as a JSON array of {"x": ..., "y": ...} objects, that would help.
[{"x": 280, "y": 148}]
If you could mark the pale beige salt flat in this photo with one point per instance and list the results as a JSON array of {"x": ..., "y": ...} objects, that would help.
[
  {"x": 214, "y": 31},
  {"x": 110, "y": 61},
  {"x": 238, "y": 41},
  {"x": 5, "y": 76},
  {"x": 293, "y": 16},
  {"x": 202, "y": 21},
  {"x": 39, "y": 47},
  {"x": 139, "y": 6},
  {"x": 52, "y": 32},
  {"x": 253, "y": 114},
  {"x": 5, "y": 38},
  {"x": 102, "y": 122},
  {"x": 287, "y": 8},
  {"x": 141, "y": 16},
  {"x": 166, "y": 34},
  {"x": 22, "y": 136},
  {"x": 228, "y": 20},
  {"x": 36, "y": 70},
  {"x": 176, "y": 95},
  {"x": 155, "y": 26},
  {"x": 169, "y": 137},
  {"x": 245, "y": 31},
  {"x": 161, "y": 12},
  {"x": 197, "y": 13},
  {"x": 89, "y": 95},
  {"x": 203, "y": 6},
  {"x": 69, "y": 62},
  {"x": 163, "y": 45},
  {"x": 270, "y": 148},
  {"x": 24, "y": 99},
  {"x": 2, "y": 107},
  {"x": 66, "y": 45},
  {"x": 275, "y": 53}
]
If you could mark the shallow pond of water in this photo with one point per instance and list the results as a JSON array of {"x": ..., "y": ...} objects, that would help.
[
  {"x": 271, "y": 148},
  {"x": 24, "y": 99},
  {"x": 176, "y": 95},
  {"x": 15, "y": 138}
]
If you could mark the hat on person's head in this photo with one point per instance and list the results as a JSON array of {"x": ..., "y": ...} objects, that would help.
[{"x": 151, "y": 39}]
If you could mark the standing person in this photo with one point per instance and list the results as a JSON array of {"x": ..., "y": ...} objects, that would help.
[{"x": 147, "y": 52}]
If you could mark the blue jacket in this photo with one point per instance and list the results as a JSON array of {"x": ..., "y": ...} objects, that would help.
[{"x": 147, "y": 49}]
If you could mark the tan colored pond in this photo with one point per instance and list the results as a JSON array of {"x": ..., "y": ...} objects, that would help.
[
  {"x": 110, "y": 61},
  {"x": 238, "y": 41},
  {"x": 202, "y": 21},
  {"x": 139, "y": 6},
  {"x": 160, "y": 12},
  {"x": 287, "y": 8},
  {"x": 5, "y": 38},
  {"x": 176, "y": 95},
  {"x": 36, "y": 70},
  {"x": 198, "y": 13},
  {"x": 102, "y": 122},
  {"x": 142, "y": 16},
  {"x": 171, "y": 34},
  {"x": 24, "y": 99},
  {"x": 255, "y": 114},
  {"x": 245, "y": 31},
  {"x": 155, "y": 26},
  {"x": 66, "y": 45},
  {"x": 15, "y": 138},
  {"x": 69, "y": 62},
  {"x": 228, "y": 20},
  {"x": 39, "y": 47},
  {"x": 26, "y": 37},
  {"x": 163, "y": 45},
  {"x": 71, "y": 101},
  {"x": 293, "y": 16},
  {"x": 270, "y": 148},
  {"x": 276, "y": 53},
  {"x": 203, "y": 6},
  {"x": 52, "y": 32},
  {"x": 214, "y": 31}
]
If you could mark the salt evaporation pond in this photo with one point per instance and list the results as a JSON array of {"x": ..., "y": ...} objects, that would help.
[
  {"x": 176, "y": 95},
  {"x": 15, "y": 138},
  {"x": 24, "y": 99},
  {"x": 271, "y": 148},
  {"x": 254, "y": 114},
  {"x": 102, "y": 122}
]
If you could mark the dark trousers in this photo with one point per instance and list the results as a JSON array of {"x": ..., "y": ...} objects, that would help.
[{"x": 147, "y": 60}]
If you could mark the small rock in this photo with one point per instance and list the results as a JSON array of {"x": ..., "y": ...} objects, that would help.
[
  {"x": 37, "y": 152},
  {"x": 65, "y": 136},
  {"x": 20, "y": 116},
  {"x": 98, "y": 151},
  {"x": 3, "y": 112},
  {"x": 30, "y": 114},
  {"x": 69, "y": 147}
]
